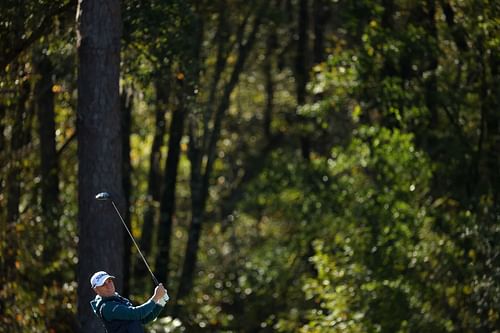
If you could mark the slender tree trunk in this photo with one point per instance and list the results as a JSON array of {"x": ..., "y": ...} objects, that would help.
[
  {"x": 431, "y": 88},
  {"x": 101, "y": 245},
  {"x": 321, "y": 11},
  {"x": 302, "y": 68},
  {"x": 44, "y": 99},
  {"x": 458, "y": 33},
  {"x": 473, "y": 190},
  {"x": 126, "y": 109},
  {"x": 200, "y": 176},
  {"x": 197, "y": 210},
  {"x": 302, "y": 48},
  {"x": 162, "y": 86},
  {"x": 387, "y": 23},
  {"x": 493, "y": 128},
  {"x": 222, "y": 40},
  {"x": 390, "y": 68},
  {"x": 3, "y": 222},
  {"x": 255, "y": 163},
  {"x": 269, "y": 84},
  {"x": 3, "y": 157},
  {"x": 167, "y": 205},
  {"x": 493, "y": 165}
]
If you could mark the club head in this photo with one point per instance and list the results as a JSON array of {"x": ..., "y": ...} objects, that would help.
[{"x": 103, "y": 196}]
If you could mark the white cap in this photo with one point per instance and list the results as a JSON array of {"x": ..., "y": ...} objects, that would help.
[{"x": 99, "y": 278}]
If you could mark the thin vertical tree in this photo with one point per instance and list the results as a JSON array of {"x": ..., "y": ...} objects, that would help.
[
  {"x": 204, "y": 149},
  {"x": 44, "y": 106},
  {"x": 162, "y": 90},
  {"x": 302, "y": 67},
  {"x": 126, "y": 102}
]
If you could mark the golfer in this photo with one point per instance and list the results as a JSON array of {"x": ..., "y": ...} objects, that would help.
[{"x": 117, "y": 313}]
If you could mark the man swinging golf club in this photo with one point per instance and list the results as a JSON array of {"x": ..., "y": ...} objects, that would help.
[{"x": 116, "y": 312}]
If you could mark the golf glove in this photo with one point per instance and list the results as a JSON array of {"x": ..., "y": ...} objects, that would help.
[{"x": 162, "y": 301}]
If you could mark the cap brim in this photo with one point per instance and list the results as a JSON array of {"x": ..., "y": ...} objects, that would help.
[{"x": 104, "y": 280}]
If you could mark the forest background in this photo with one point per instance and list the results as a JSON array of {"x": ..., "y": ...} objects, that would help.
[{"x": 285, "y": 165}]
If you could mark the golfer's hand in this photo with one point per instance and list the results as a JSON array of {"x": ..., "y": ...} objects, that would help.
[{"x": 160, "y": 291}]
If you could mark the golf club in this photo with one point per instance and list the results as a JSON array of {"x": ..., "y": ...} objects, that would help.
[{"x": 104, "y": 196}]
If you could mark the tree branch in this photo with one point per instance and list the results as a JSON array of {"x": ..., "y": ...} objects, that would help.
[{"x": 39, "y": 31}]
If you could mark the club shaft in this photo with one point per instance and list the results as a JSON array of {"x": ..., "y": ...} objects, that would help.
[{"x": 135, "y": 243}]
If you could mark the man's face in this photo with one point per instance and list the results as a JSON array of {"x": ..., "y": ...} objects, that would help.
[{"x": 107, "y": 289}]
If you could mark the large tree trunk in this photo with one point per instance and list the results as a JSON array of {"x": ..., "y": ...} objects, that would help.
[
  {"x": 44, "y": 98},
  {"x": 101, "y": 245}
]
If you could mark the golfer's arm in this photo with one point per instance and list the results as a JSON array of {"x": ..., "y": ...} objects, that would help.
[
  {"x": 114, "y": 311},
  {"x": 153, "y": 315}
]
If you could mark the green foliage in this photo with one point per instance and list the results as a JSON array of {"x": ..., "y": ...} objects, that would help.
[
  {"x": 390, "y": 225},
  {"x": 360, "y": 209}
]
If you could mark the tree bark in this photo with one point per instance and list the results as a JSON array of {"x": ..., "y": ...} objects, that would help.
[{"x": 101, "y": 245}]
